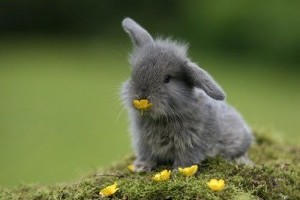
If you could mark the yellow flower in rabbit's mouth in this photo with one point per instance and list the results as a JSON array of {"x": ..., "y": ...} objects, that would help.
[
  {"x": 109, "y": 190},
  {"x": 216, "y": 185},
  {"x": 188, "y": 171},
  {"x": 142, "y": 104},
  {"x": 162, "y": 176}
]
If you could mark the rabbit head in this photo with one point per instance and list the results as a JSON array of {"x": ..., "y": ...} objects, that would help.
[{"x": 162, "y": 74}]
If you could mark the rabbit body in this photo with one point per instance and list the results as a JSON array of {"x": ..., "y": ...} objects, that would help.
[{"x": 189, "y": 120}]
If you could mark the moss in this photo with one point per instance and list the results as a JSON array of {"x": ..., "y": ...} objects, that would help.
[{"x": 275, "y": 175}]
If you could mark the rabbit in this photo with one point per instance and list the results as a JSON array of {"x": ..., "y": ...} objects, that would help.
[{"x": 187, "y": 119}]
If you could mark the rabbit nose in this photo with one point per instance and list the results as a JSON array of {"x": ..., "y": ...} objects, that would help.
[
  {"x": 144, "y": 89},
  {"x": 143, "y": 93}
]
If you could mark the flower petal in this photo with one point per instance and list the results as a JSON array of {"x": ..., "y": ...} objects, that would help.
[
  {"x": 109, "y": 190},
  {"x": 181, "y": 170},
  {"x": 221, "y": 184},
  {"x": 156, "y": 177},
  {"x": 165, "y": 175},
  {"x": 162, "y": 176},
  {"x": 142, "y": 104},
  {"x": 188, "y": 171},
  {"x": 131, "y": 168},
  {"x": 216, "y": 185},
  {"x": 136, "y": 103}
]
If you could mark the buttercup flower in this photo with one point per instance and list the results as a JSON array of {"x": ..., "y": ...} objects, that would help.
[
  {"x": 188, "y": 171},
  {"x": 109, "y": 190},
  {"x": 216, "y": 185},
  {"x": 131, "y": 167},
  {"x": 162, "y": 176},
  {"x": 142, "y": 104}
]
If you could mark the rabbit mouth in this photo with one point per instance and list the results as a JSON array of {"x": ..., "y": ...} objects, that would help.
[
  {"x": 146, "y": 108},
  {"x": 142, "y": 104}
]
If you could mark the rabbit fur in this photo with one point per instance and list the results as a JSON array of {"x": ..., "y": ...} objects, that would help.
[{"x": 189, "y": 120}]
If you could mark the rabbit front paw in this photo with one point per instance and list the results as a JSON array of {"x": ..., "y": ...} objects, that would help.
[{"x": 143, "y": 166}]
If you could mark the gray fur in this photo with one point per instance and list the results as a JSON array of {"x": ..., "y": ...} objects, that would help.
[{"x": 189, "y": 120}]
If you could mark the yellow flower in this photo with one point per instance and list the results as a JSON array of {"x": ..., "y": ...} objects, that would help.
[
  {"x": 131, "y": 167},
  {"x": 162, "y": 176},
  {"x": 188, "y": 171},
  {"x": 142, "y": 104},
  {"x": 216, "y": 185},
  {"x": 109, "y": 190}
]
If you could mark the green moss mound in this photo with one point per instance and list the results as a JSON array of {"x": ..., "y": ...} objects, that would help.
[{"x": 275, "y": 175}]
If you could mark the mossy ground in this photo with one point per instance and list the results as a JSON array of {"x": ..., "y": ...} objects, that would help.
[{"x": 275, "y": 175}]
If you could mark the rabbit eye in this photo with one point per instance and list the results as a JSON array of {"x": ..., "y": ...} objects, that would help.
[{"x": 167, "y": 78}]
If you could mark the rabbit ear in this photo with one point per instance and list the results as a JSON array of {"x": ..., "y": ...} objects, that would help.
[
  {"x": 201, "y": 79},
  {"x": 138, "y": 34}
]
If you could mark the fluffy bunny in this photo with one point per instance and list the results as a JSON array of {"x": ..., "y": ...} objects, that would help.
[{"x": 182, "y": 117}]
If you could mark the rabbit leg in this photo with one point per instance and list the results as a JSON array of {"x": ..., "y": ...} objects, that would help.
[
  {"x": 144, "y": 161},
  {"x": 187, "y": 159},
  {"x": 243, "y": 160},
  {"x": 143, "y": 165}
]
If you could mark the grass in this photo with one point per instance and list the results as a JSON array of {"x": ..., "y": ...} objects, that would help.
[
  {"x": 59, "y": 110},
  {"x": 275, "y": 175}
]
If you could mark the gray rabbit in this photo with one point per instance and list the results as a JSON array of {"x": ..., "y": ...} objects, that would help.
[{"x": 177, "y": 111}]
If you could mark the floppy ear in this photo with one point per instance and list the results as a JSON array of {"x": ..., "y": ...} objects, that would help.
[
  {"x": 138, "y": 34},
  {"x": 201, "y": 79}
]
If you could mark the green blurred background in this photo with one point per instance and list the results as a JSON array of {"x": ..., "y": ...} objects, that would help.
[{"x": 62, "y": 64}]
